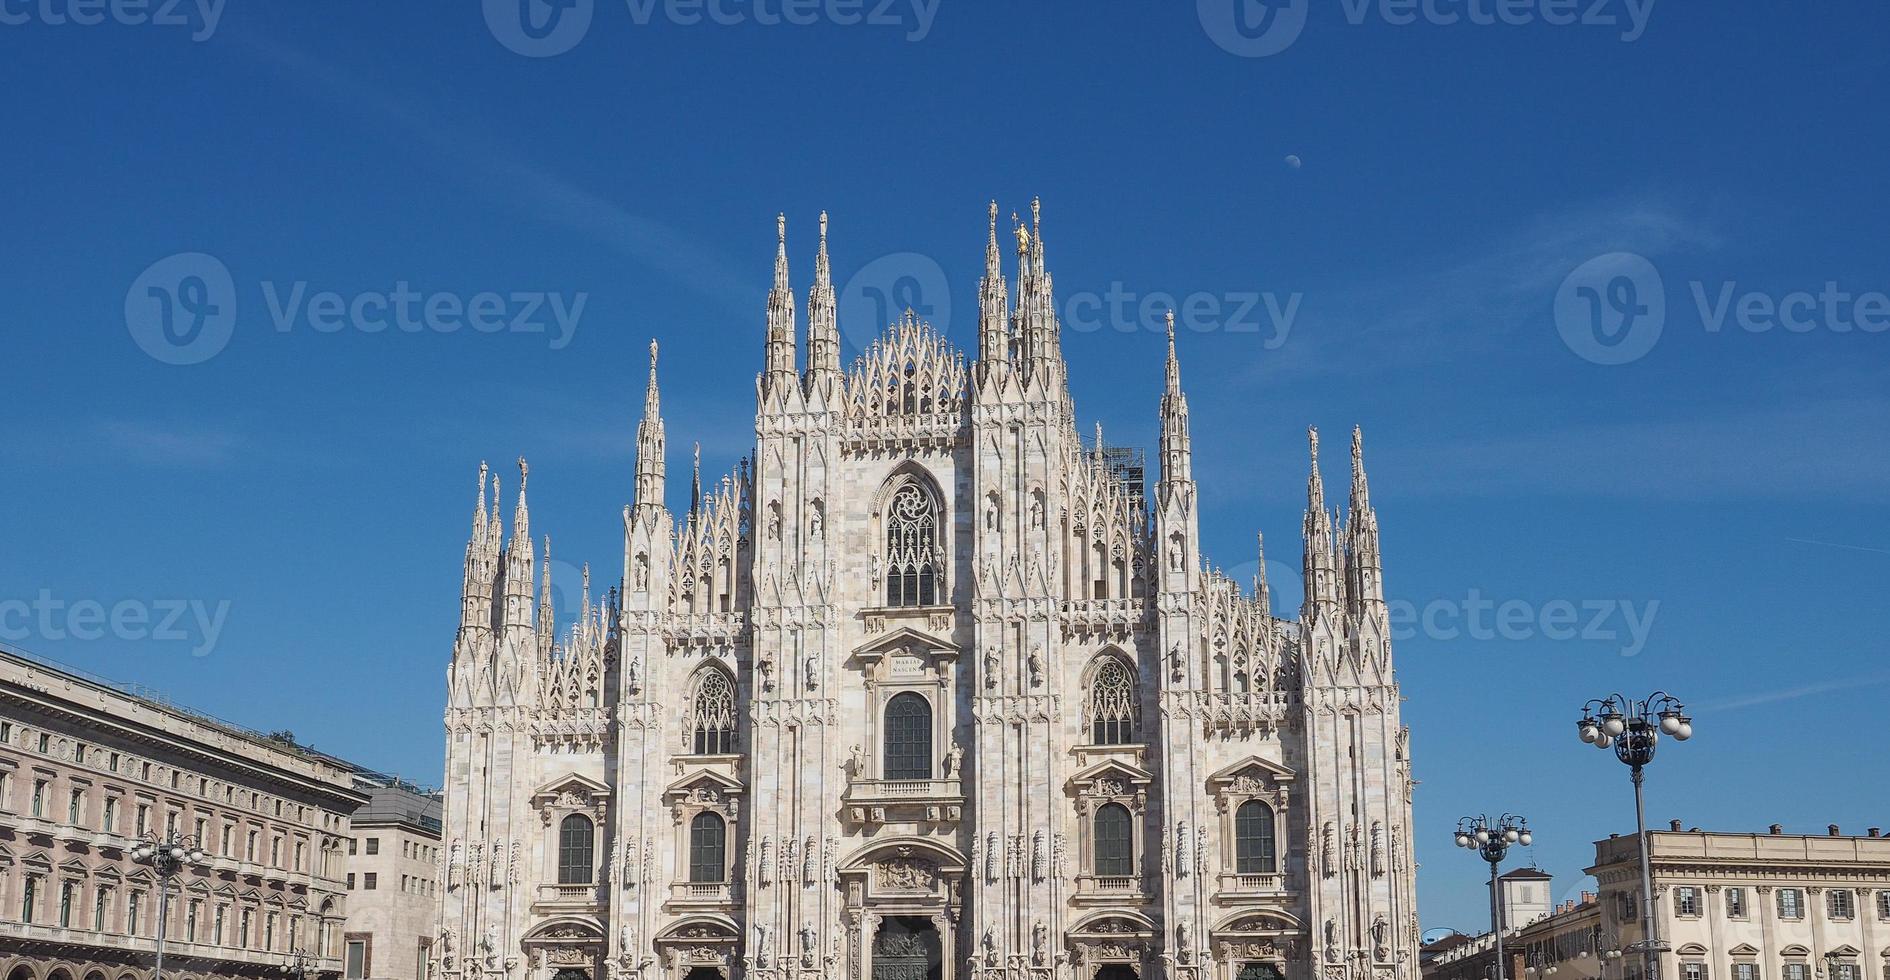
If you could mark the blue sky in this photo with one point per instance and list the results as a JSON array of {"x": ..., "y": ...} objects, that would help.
[{"x": 1724, "y": 488}]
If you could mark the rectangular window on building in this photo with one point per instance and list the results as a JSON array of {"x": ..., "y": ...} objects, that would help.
[
  {"x": 369, "y": 881},
  {"x": 78, "y": 753},
  {"x": 66, "y": 889},
  {"x": 45, "y": 742},
  {"x": 6, "y": 731},
  {"x": 351, "y": 881},
  {"x": 1790, "y": 905},
  {"x": 299, "y": 849},
  {"x": 1883, "y": 904},
  {"x": 1686, "y": 901},
  {"x": 99, "y": 901},
  {"x": 228, "y": 840},
  {"x": 374, "y": 845},
  {"x": 250, "y": 849},
  {"x": 110, "y": 823},
  {"x": 217, "y": 935},
  {"x": 39, "y": 797},
  {"x": 75, "y": 807},
  {"x": 352, "y": 844},
  {"x": 133, "y": 905},
  {"x": 1795, "y": 971},
  {"x": 1736, "y": 903},
  {"x": 275, "y": 852},
  {"x": 29, "y": 898},
  {"x": 420, "y": 959},
  {"x": 1841, "y": 903},
  {"x": 269, "y": 931},
  {"x": 170, "y": 823},
  {"x": 190, "y": 921},
  {"x": 1693, "y": 971},
  {"x": 1745, "y": 971},
  {"x": 203, "y": 830},
  {"x": 242, "y": 930},
  {"x": 144, "y": 819},
  {"x": 357, "y": 959},
  {"x": 112, "y": 762}
]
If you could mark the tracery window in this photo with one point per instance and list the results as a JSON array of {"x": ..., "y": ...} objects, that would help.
[
  {"x": 908, "y": 737},
  {"x": 708, "y": 849},
  {"x": 1254, "y": 851},
  {"x": 912, "y": 556},
  {"x": 712, "y": 714},
  {"x": 575, "y": 850},
  {"x": 1113, "y": 704},
  {"x": 1115, "y": 842}
]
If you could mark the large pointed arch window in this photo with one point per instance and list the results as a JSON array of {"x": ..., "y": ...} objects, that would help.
[
  {"x": 1115, "y": 842},
  {"x": 712, "y": 713},
  {"x": 576, "y": 848},
  {"x": 1254, "y": 851},
  {"x": 708, "y": 849},
  {"x": 1114, "y": 706},
  {"x": 912, "y": 553},
  {"x": 908, "y": 737}
]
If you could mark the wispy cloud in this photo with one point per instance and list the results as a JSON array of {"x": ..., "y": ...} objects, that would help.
[
  {"x": 1846, "y": 547},
  {"x": 148, "y": 443},
  {"x": 1469, "y": 301},
  {"x": 509, "y": 178},
  {"x": 1788, "y": 451},
  {"x": 1794, "y": 693}
]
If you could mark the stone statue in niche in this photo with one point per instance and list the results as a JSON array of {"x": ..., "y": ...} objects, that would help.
[
  {"x": 954, "y": 760},
  {"x": 815, "y": 523},
  {"x": 1381, "y": 939},
  {"x": 856, "y": 762},
  {"x": 1039, "y": 944},
  {"x": 813, "y": 672},
  {"x": 807, "y": 943},
  {"x": 1036, "y": 666},
  {"x": 990, "y": 668}
]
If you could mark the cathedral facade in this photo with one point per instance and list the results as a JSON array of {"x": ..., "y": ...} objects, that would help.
[{"x": 927, "y": 688}]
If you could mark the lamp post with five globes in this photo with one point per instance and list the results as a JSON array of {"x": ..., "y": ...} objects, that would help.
[
  {"x": 167, "y": 856},
  {"x": 1491, "y": 840},
  {"x": 1633, "y": 729}
]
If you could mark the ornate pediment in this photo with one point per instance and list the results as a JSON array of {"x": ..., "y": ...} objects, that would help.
[
  {"x": 570, "y": 791},
  {"x": 1253, "y": 768},
  {"x": 706, "y": 786},
  {"x": 905, "y": 648},
  {"x": 1258, "y": 922},
  {"x": 1111, "y": 777}
]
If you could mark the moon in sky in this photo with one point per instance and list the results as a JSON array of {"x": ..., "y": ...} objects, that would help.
[{"x": 1294, "y": 161}]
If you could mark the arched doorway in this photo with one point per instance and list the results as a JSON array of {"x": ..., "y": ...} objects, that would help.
[
  {"x": 907, "y": 947},
  {"x": 570, "y": 974},
  {"x": 704, "y": 973},
  {"x": 1117, "y": 972},
  {"x": 1260, "y": 971}
]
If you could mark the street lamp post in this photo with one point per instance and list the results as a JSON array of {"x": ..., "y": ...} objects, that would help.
[
  {"x": 298, "y": 966},
  {"x": 167, "y": 855},
  {"x": 1633, "y": 729},
  {"x": 1491, "y": 840}
]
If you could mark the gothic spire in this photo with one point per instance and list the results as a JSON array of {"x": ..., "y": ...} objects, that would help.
[
  {"x": 546, "y": 618},
  {"x": 476, "y": 590},
  {"x": 479, "y": 514},
  {"x": 1177, "y": 446},
  {"x": 823, "y": 331},
  {"x": 994, "y": 303},
  {"x": 650, "y": 444},
  {"x": 780, "y": 313},
  {"x": 695, "y": 483},
  {"x": 1363, "y": 566},
  {"x": 1361, "y": 493},
  {"x": 1262, "y": 595},
  {"x": 1322, "y": 587},
  {"x": 518, "y": 559},
  {"x": 1038, "y": 344}
]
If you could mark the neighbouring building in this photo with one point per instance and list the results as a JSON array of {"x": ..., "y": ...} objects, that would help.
[
  {"x": 1729, "y": 906},
  {"x": 1769, "y": 906},
  {"x": 392, "y": 881},
  {"x": 88, "y": 768},
  {"x": 928, "y": 687}
]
